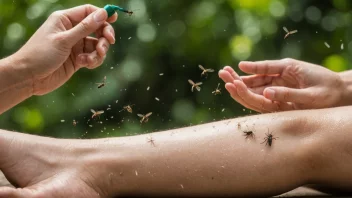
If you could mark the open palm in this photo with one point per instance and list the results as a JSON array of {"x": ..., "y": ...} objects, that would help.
[{"x": 282, "y": 85}]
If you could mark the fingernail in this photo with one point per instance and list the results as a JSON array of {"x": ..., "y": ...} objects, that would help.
[
  {"x": 270, "y": 93},
  {"x": 100, "y": 15}
]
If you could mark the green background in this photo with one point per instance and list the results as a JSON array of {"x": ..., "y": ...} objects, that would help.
[{"x": 171, "y": 37}]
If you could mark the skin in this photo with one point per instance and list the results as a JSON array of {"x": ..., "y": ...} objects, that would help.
[
  {"x": 287, "y": 84},
  {"x": 213, "y": 159}
]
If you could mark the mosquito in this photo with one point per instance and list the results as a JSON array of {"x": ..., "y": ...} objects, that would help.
[
  {"x": 288, "y": 33},
  {"x": 145, "y": 118},
  {"x": 128, "y": 108},
  {"x": 102, "y": 84},
  {"x": 130, "y": 12},
  {"x": 248, "y": 134},
  {"x": 151, "y": 141},
  {"x": 96, "y": 113},
  {"x": 195, "y": 85},
  {"x": 205, "y": 71},
  {"x": 217, "y": 91},
  {"x": 268, "y": 140}
]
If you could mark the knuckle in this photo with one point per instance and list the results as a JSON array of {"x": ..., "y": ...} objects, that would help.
[
  {"x": 286, "y": 95},
  {"x": 265, "y": 69},
  {"x": 88, "y": 5},
  {"x": 288, "y": 60},
  {"x": 256, "y": 67},
  {"x": 56, "y": 14}
]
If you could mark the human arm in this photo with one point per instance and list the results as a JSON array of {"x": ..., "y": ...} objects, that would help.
[
  {"x": 286, "y": 84},
  {"x": 59, "y": 48},
  {"x": 15, "y": 85},
  {"x": 212, "y": 159}
]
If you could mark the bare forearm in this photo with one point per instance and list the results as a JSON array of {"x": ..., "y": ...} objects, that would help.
[
  {"x": 15, "y": 83},
  {"x": 214, "y": 159}
]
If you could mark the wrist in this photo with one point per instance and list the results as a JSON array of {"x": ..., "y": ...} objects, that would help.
[
  {"x": 16, "y": 75},
  {"x": 107, "y": 166}
]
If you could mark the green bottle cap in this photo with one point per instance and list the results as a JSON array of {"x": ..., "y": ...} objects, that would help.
[{"x": 110, "y": 10}]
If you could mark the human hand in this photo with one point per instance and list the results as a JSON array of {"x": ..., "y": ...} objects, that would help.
[
  {"x": 281, "y": 85},
  {"x": 62, "y": 45}
]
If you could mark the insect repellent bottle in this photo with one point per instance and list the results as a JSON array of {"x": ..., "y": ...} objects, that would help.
[{"x": 111, "y": 9}]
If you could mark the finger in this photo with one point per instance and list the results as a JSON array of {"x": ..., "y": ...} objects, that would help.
[
  {"x": 87, "y": 26},
  {"x": 255, "y": 100},
  {"x": 109, "y": 33},
  {"x": 284, "y": 94},
  {"x": 90, "y": 61},
  {"x": 226, "y": 76},
  {"x": 232, "y": 72},
  {"x": 90, "y": 44},
  {"x": 265, "y": 67},
  {"x": 231, "y": 88},
  {"x": 102, "y": 47},
  {"x": 77, "y": 14},
  {"x": 8, "y": 192},
  {"x": 257, "y": 80},
  {"x": 259, "y": 90},
  {"x": 106, "y": 31},
  {"x": 113, "y": 18}
]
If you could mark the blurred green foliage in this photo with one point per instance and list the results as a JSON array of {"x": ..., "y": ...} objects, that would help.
[{"x": 171, "y": 37}]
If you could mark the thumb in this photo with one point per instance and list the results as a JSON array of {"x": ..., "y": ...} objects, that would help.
[
  {"x": 87, "y": 26},
  {"x": 284, "y": 94},
  {"x": 8, "y": 192}
]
